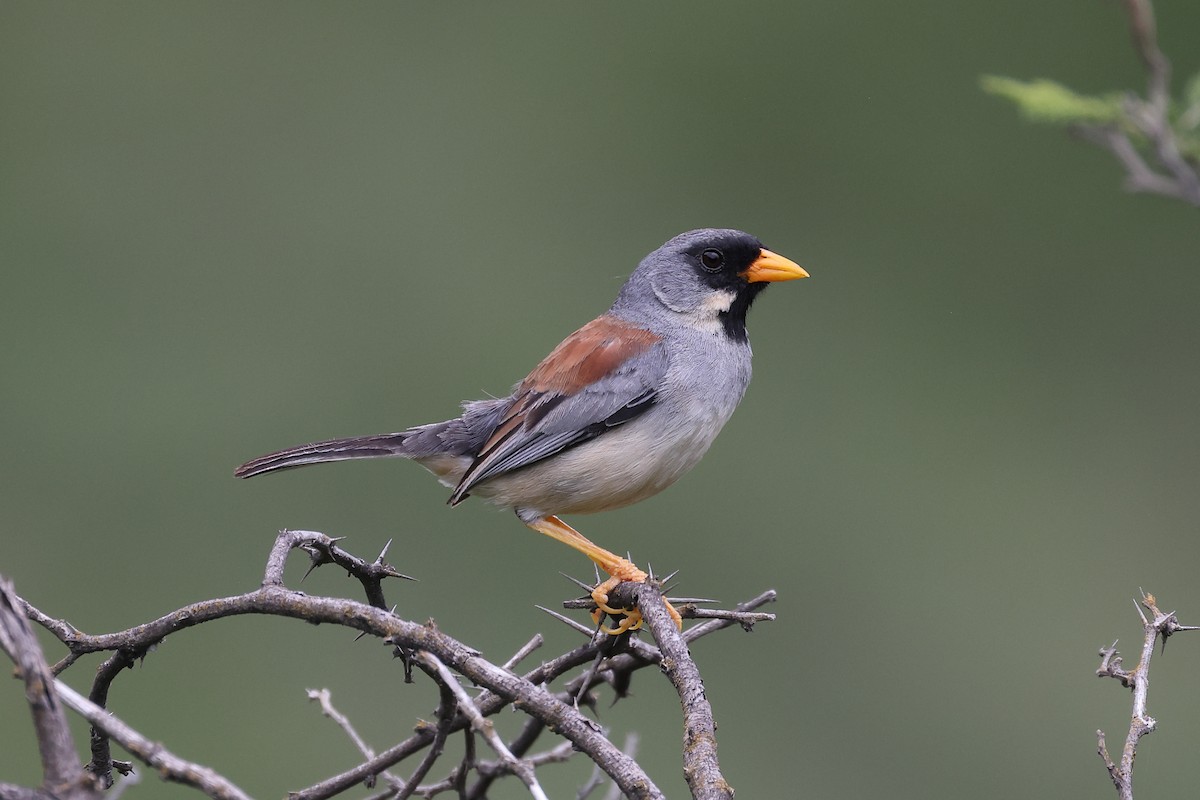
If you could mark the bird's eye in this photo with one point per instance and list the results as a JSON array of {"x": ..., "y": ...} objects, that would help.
[{"x": 712, "y": 259}]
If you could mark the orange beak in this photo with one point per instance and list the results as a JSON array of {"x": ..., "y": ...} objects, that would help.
[{"x": 773, "y": 267}]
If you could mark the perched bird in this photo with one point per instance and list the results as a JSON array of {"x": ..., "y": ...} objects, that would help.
[{"x": 616, "y": 413}]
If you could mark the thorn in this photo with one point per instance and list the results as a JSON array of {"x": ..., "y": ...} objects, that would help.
[
  {"x": 670, "y": 577},
  {"x": 392, "y": 573},
  {"x": 692, "y": 600},
  {"x": 578, "y": 582},
  {"x": 586, "y": 631},
  {"x": 1140, "y": 614},
  {"x": 383, "y": 552}
]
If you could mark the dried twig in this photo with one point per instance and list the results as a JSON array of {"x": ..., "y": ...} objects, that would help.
[
  {"x": 1141, "y": 723},
  {"x": 61, "y": 773},
  {"x": 523, "y": 651},
  {"x": 273, "y": 598},
  {"x": 597, "y": 777},
  {"x": 445, "y": 719},
  {"x": 1151, "y": 118},
  {"x": 700, "y": 766},
  {"x": 615, "y": 659},
  {"x": 64, "y": 777},
  {"x": 324, "y": 698},
  {"x": 440, "y": 672}
]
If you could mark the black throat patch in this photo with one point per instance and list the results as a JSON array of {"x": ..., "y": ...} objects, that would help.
[{"x": 733, "y": 321}]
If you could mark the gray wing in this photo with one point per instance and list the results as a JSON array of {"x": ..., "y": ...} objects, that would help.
[{"x": 545, "y": 417}]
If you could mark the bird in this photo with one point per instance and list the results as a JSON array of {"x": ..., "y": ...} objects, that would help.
[{"x": 617, "y": 412}]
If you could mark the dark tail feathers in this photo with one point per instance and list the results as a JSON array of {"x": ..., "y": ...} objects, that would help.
[{"x": 379, "y": 446}]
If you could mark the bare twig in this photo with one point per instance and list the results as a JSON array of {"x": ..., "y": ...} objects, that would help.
[
  {"x": 274, "y": 599},
  {"x": 700, "y": 766},
  {"x": 744, "y": 618},
  {"x": 1141, "y": 723},
  {"x": 519, "y": 746},
  {"x": 615, "y": 659},
  {"x": 525, "y": 649},
  {"x": 445, "y": 719},
  {"x": 434, "y": 666},
  {"x": 422, "y": 738},
  {"x": 324, "y": 549},
  {"x": 1151, "y": 118},
  {"x": 102, "y": 762},
  {"x": 1139, "y": 176},
  {"x": 1144, "y": 30},
  {"x": 489, "y": 703},
  {"x": 324, "y": 698},
  {"x": 61, "y": 773},
  {"x": 597, "y": 777},
  {"x": 489, "y": 770}
]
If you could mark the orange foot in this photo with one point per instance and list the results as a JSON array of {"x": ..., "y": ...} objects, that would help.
[{"x": 619, "y": 570}]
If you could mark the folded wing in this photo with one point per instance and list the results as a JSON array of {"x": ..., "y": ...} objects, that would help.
[{"x": 605, "y": 374}]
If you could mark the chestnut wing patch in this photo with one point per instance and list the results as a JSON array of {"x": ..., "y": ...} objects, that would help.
[{"x": 601, "y": 376}]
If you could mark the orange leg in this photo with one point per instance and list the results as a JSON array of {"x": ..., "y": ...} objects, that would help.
[{"x": 619, "y": 570}]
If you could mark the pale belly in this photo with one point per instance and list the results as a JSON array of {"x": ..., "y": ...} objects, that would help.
[{"x": 624, "y": 466}]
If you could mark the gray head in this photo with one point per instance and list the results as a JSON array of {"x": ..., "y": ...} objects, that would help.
[{"x": 709, "y": 275}]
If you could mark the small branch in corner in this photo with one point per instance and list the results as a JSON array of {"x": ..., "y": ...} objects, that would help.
[{"x": 1158, "y": 625}]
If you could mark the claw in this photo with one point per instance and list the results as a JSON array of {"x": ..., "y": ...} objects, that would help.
[
  {"x": 631, "y": 621},
  {"x": 631, "y": 618}
]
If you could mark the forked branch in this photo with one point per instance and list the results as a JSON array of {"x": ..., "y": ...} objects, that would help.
[
  {"x": 1157, "y": 625},
  {"x": 607, "y": 660}
]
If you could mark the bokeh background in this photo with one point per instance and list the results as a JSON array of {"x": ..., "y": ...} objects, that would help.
[{"x": 972, "y": 434}]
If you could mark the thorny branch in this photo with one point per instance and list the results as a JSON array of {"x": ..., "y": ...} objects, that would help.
[
  {"x": 700, "y": 766},
  {"x": 445, "y": 678},
  {"x": 1172, "y": 175},
  {"x": 61, "y": 774},
  {"x": 610, "y": 661},
  {"x": 1141, "y": 723}
]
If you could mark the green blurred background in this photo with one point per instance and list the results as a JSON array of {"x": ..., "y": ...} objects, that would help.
[{"x": 972, "y": 435}]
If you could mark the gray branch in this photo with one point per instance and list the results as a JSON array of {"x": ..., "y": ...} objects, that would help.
[
  {"x": 1141, "y": 723},
  {"x": 613, "y": 661},
  {"x": 61, "y": 772},
  {"x": 700, "y": 766},
  {"x": 1150, "y": 117}
]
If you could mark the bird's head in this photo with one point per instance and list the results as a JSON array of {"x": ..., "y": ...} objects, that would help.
[{"x": 709, "y": 275}]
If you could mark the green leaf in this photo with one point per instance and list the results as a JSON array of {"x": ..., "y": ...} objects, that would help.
[
  {"x": 1187, "y": 122},
  {"x": 1191, "y": 93},
  {"x": 1047, "y": 101}
]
